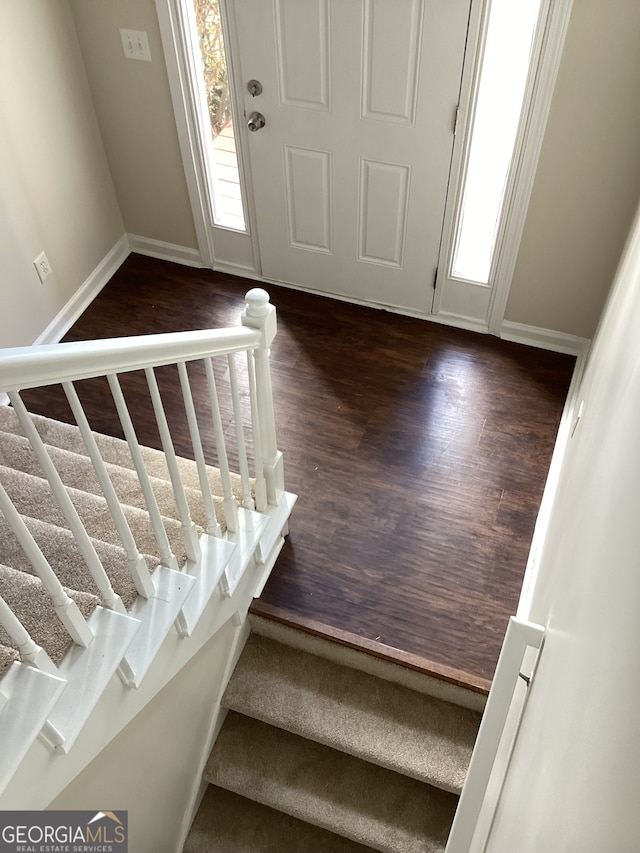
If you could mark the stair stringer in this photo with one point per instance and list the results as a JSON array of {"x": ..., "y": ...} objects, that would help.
[{"x": 119, "y": 705}]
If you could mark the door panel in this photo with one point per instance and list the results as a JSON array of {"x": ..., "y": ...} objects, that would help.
[
  {"x": 384, "y": 193},
  {"x": 302, "y": 43},
  {"x": 392, "y": 32},
  {"x": 350, "y": 172},
  {"x": 308, "y": 198}
]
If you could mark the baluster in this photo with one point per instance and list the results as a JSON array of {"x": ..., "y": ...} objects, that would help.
[
  {"x": 259, "y": 314},
  {"x": 30, "y": 652},
  {"x": 212, "y": 523},
  {"x": 230, "y": 505},
  {"x": 167, "y": 557},
  {"x": 108, "y": 596},
  {"x": 260, "y": 485},
  {"x": 247, "y": 500},
  {"x": 65, "y": 607},
  {"x": 189, "y": 531},
  {"x": 135, "y": 561}
]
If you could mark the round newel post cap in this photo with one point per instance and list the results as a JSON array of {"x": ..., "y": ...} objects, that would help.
[{"x": 257, "y": 301}]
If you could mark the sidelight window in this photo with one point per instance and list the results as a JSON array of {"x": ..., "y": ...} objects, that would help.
[{"x": 503, "y": 78}]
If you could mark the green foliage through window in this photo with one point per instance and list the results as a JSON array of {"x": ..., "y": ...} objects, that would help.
[{"x": 213, "y": 59}]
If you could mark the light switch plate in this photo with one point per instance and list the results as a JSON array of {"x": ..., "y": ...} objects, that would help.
[{"x": 135, "y": 44}]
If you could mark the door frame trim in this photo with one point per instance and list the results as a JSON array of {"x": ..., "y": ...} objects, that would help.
[
  {"x": 180, "y": 72},
  {"x": 185, "y": 112},
  {"x": 555, "y": 15},
  {"x": 543, "y": 71},
  {"x": 526, "y": 155}
]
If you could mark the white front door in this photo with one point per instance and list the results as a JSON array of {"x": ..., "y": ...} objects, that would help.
[{"x": 350, "y": 171}]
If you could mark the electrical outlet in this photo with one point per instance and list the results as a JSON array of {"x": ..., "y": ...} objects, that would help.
[
  {"x": 43, "y": 267},
  {"x": 135, "y": 44}
]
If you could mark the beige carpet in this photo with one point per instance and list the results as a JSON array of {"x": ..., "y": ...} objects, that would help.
[
  {"x": 367, "y": 760},
  {"x": 7, "y": 657},
  {"x": 22, "y": 478},
  {"x": 30, "y": 602},
  {"x": 227, "y": 823}
]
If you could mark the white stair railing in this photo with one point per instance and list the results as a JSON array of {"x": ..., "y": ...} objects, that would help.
[
  {"x": 247, "y": 499},
  {"x": 230, "y": 505},
  {"x": 167, "y": 557},
  {"x": 202, "y": 403},
  {"x": 85, "y": 545},
  {"x": 254, "y": 432},
  {"x": 65, "y": 607},
  {"x": 212, "y": 522},
  {"x": 135, "y": 561},
  {"x": 189, "y": 532},
  {"x": 259, "y": 314}
]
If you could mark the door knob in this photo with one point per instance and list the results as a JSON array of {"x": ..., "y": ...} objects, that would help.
[{"x": 255, "y": 122}]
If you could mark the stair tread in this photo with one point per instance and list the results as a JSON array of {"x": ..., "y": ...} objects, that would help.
[
  {"x": 362, "y": 801},
  {"x": 61, "y": 552},
  {"x": 115, "y": 451},
  {"x": 30, "y": 602},
  {"x": 76, "y": 471},
  {"x": 228, "y": 823},
  {"x": 363, "y": 661},
  {"x": 32, "y": 496},
  {"x": 370, "y": 718},
  {"x": 7, "y": 657}
]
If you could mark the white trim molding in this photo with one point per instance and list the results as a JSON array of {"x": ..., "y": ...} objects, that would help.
[
  {"x": 177, "y": 56},
  {"x": 550, "y": 44},
  {"x": 165, "y": 251},
  {"x": 567, "y": 422},
  {"x": 490, "y": 302},
  {"x": 85, "y": 294},
  {"x": 534, "y": 336}
]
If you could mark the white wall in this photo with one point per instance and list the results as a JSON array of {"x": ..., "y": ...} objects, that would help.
[
  {"x": 575, "y": 776},
  {"x": 135, "y": 113},
  {"x": 56, "y": 192},
  {"x": 150, "y": 767}
]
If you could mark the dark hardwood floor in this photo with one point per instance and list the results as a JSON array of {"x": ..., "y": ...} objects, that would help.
[{"x": 419, "y": 453}]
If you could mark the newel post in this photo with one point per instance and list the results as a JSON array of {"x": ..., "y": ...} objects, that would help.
[{"x": 261, "y": 315}]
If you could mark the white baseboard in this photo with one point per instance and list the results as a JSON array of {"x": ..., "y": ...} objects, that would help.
[
  {"x": 85, "y": 294},
  {"x": 165, "y": 251},
  {"x": 236, "y": 269},
  {"x": 533, "y": 336}
]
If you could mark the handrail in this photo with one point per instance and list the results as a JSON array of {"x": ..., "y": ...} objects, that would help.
[
  {"x": 50, "y": 364},
  {"x": 520, "y": 635},
  {"x": 120, "y": 506}
]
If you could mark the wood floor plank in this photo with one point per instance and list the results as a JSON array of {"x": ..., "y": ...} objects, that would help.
[{"x": 419, "y": 453}]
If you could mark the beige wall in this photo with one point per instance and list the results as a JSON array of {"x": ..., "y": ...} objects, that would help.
[
  {"x": 150, "y": 767},
  {"x": 588, "y": 180},
  {"x": 133, "y": 105},
  {"x": 586, "y": 187},
  {"x": 56, "y": 192}
]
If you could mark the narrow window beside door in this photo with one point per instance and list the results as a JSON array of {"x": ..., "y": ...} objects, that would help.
[
  {"x": 505, "y": 67},
  {"x": 221, "y": 160}
]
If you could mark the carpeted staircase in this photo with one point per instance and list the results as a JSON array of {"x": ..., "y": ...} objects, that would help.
[
  {"x": 22, "y": 478},
  {"x": 323, "y": 748},
  {"x": 330, "y": 750}
]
